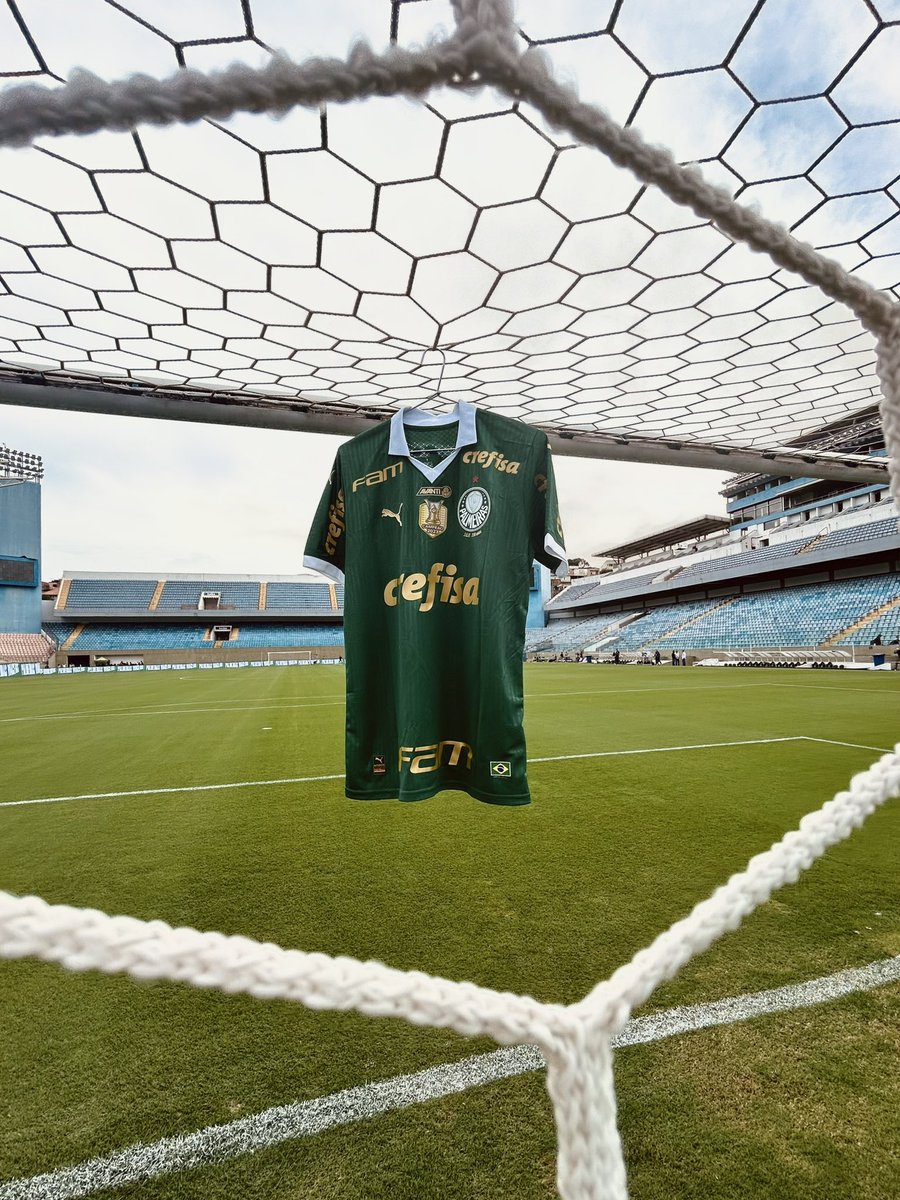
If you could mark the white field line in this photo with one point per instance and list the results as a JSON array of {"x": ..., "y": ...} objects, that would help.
[
  {"x": 852, "y": 745},
  {"x": 249, "y": 783},
  {"x": 161, "y": 712},
  {"x": 203, "y": 787},
  {"x": 666, "y": 749},
  {"x": 874, "y": 690},
  {"x": 287, "y": 1122}
]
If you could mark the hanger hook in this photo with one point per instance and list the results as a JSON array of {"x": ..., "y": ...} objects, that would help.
[
  {"x": 436, "y": 393},
  {"x": 437, "y": 350}
]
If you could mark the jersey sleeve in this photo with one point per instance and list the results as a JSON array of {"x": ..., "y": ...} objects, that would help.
[
  {"x": 326, "y": 544},
  {"x": 547, "y": 540}
]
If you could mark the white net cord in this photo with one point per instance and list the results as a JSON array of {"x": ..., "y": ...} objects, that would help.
[{"x": 575, "y": 1039}]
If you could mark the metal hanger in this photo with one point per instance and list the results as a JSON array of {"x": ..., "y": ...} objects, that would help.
[{"x": 435, "y": 395}]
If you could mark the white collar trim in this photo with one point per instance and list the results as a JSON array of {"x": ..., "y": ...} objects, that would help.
[{"x": 462, "y": 413}]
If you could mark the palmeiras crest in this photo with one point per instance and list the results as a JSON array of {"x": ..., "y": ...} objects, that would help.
[{"x": 433, "y": 517}]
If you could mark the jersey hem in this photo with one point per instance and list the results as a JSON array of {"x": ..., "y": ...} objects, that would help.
[{"x": 475, "y": 793}]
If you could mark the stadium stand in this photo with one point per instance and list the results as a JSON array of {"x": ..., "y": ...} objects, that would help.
[
  {"x": 103, "y": 594},
  {"x": 797, "y": 616},
  {"x": 607, "y": 588},
  {"x": 137, "y": 638},
  {"x": 25, "y": 647},
  {"x": 656, "y": 624},
  {"x": 563, "y": 636},
  {"x": 803, "y": 615},
  {"x": 293, "y": 596},
  {"x": 827, "y": 539},
  {"x": 300, "y": 636},
  {"x": 183, "y": 593}
]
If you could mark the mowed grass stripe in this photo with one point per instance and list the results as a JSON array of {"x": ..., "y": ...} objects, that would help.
[{"x": 545, "y": 900}]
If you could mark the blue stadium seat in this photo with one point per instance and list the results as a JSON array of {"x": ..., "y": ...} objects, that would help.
[
  {"x": 136, "y": 638},
  {"x": 185, "y": 593},
  {"x": 298, "y": 596},
  {"x": 298, "y": 636},
  {"x": 99, "y": 594},
  {"x": 806, "y": 615},
  {"x": 100, "y": 638}
]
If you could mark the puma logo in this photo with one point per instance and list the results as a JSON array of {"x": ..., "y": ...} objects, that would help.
[{"x": 386, "y": 512}]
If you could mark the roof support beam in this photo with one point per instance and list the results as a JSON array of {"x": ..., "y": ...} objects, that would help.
[{"x": 311, "y": 416}]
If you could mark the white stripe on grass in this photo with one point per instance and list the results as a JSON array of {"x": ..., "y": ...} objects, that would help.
[
  {"x": 162, "y": 712},
  {"x": 251, "y": 783},
  {"x": 287, "y": 1122}
]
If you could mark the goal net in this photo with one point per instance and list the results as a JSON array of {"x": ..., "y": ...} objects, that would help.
[
  {"x": 291, "y": 271},
  {"x": 300, "y": 267}
]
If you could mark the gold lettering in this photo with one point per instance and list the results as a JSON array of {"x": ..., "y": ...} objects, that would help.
[
  {"x": 456, "y": 752},
  {"x": 447, "y": 583},
  {"x": 442, "y": 585},
  {"x": 491, "y": 458},
  {"x": 412, "y": 586},
  {"x": 373, "y": 478},
  {"x": 433, "y": 576},
  {"x": 335, "y": 524},
  {"x": 390, "y": 592},
  {"x": 426, "y": 761},
  {"x": 422, "y": 760}
]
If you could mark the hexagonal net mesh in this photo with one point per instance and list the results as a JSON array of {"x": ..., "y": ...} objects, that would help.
[
  {"x": 312, "y": 254},
  {"x": 226, "y": 254}
]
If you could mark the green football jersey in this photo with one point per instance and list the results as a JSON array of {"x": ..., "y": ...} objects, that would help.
[{"x": 432, "y": 522}]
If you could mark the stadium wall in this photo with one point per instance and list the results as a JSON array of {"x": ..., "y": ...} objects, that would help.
[
  {"x": 538, "y": 595},
  {"x": 177, "y": 657},
  {"x": 20, "y": 537}
]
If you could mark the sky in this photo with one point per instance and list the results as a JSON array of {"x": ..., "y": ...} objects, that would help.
[{"x": 132, "y": 494}]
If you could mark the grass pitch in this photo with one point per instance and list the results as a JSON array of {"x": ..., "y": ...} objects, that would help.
[{"x": 546, "y": 900}]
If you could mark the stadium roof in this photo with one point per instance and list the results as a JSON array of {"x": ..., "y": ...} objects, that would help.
[
  {"x": 672, "y": 536},
  {"x": 300, "y": 263}
]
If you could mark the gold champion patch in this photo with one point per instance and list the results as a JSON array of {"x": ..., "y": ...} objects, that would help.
[{"x": 433, "y": 517}]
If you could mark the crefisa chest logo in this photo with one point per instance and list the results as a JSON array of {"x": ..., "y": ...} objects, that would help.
[{"x": 473, "y": 510}]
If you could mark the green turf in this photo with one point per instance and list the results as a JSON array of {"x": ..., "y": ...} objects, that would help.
[{"x": 546, "y": 900}]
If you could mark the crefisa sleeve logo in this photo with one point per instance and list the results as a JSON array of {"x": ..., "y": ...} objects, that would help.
[{"x": 473, "y": 510}]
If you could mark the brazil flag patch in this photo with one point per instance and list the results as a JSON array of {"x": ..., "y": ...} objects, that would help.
[{"x": 500, "y": 769}]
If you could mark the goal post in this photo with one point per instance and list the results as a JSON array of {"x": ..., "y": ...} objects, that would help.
[{"x": 285, "y": 656}]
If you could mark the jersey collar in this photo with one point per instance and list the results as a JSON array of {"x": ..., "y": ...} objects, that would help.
[{"x": 462, "y": 413}]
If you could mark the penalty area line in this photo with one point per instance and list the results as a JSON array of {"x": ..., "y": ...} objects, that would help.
[
  {"x": 288, "y": 1122},
  {"x": 249, "y": 783}
]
